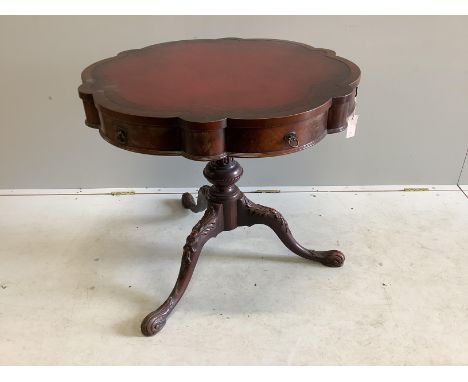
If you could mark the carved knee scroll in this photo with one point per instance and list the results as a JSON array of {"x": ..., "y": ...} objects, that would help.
[{"x": 251, "y": 213}]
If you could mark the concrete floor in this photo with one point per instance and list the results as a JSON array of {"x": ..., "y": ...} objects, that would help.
[{"x": 79, "y": 272}]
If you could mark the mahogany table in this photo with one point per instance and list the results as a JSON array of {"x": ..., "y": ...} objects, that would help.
[{"x": 215, "y": 100}]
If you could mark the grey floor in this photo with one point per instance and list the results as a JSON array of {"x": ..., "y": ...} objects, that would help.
[{"x": 79, "y": 272}]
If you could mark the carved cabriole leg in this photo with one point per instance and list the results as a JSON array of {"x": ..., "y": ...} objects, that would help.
[
  {"x": 202, "y": 201},
  {"x": 250, "y": 213},
  {"x": 209, "y": 226}
]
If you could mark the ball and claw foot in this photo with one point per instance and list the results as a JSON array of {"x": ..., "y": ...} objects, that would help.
[{"x": 332, "y": 258}]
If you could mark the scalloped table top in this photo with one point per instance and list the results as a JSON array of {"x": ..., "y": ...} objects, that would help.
[
  {"x": 208, "y": 80},
  {"x": 209, "y": 83}
]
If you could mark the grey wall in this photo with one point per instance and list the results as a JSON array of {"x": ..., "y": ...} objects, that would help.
[
  {"x": 412, "y": 101},
  {"x": 464, "y": 173}
]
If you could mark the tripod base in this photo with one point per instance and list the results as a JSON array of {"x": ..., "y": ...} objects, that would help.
[{"x": 226, "y": 208}]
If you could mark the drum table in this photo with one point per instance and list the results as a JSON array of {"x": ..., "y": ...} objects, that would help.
[{"x": 216, "y": 100}]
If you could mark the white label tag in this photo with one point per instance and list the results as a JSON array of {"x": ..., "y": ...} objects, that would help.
[{"x": 352, "y": 122}]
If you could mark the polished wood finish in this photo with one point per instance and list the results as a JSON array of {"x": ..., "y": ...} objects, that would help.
[
  {"x": 214, "y": 100},
  {"x": 206, "y": 99},
  {"x": 226, "y": 209}
]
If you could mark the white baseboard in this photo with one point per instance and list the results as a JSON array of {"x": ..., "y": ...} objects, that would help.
[{"x": 110, "y": 191}]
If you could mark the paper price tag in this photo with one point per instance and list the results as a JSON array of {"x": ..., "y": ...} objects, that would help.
[{"x": 351, "y": 129}]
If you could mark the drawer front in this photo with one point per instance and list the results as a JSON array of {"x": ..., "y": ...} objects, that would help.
[{"x": 283, "y": 139}]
